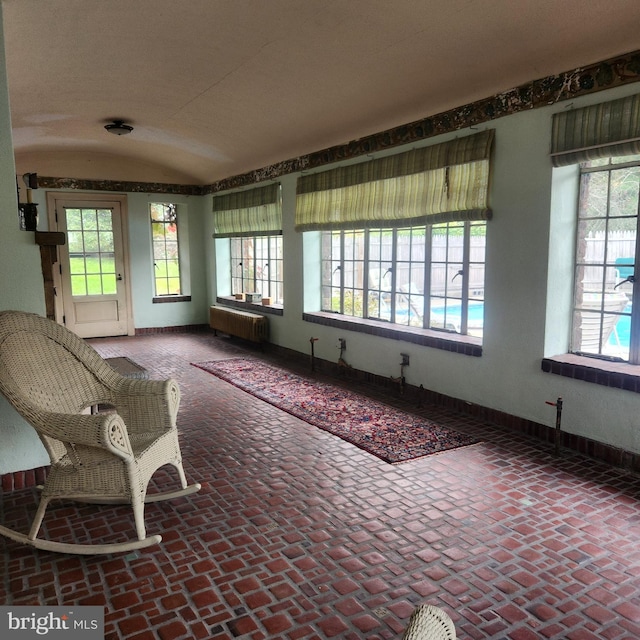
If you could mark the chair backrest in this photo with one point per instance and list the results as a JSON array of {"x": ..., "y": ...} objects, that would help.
[
  {"x": 624, "y": 267},
  {"x": 45, "y": 366}
]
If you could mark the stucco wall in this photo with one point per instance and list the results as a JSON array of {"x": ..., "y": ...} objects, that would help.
[{"x": 21, "y": 288}]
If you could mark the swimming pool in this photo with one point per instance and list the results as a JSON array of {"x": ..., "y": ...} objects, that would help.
[
  {"x": 622, "y": 334},
  {"x": 475, "y": 315},
  {"x": 618, "y": 338}
]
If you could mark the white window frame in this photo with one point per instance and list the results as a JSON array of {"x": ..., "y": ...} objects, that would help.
[
  {"x": 182, "y": 249},
  {"x": 401, "y": 290},
  {"x": 256, "y": 266},
  {"x": 604, "y": 316}
]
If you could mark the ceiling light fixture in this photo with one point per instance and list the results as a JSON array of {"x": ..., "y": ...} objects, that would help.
[{"x": 119, "y": 128}]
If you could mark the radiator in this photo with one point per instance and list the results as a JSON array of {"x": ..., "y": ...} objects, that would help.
[{"x": 242, "y": 324}]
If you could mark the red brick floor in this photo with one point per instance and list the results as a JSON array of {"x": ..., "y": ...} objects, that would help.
[{"x": 299, "y": 535}]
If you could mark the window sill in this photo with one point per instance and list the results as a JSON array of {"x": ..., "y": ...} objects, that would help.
[
  {"x": 619, "y": 375},
  {"x": 230, "y": 301},
  {"x": 162, "y": 299},
  {"x": 456, "y": 343}
]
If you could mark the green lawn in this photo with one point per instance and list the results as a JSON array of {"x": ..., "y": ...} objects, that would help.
[
  {"x": 87, "y": 278},
  {"x": 96, "y": 276}
]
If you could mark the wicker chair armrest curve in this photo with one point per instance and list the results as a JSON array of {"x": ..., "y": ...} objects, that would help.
[
  {"x": 104, "y": 431},
  {"x": 147, "y": 402}
]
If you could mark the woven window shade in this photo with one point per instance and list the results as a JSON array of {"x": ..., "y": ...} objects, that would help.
[
  {"x": 598, "y": 131},
  {"x": 248, "y": 213},
  {"x": 444, "y": 182}
]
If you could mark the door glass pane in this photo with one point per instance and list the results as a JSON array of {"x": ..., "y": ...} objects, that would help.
[
  {"x": 90, "y": 219},
  {"x": 74, "y": 219},
  {"x": 79, "y": 285},
  {"x": 91, "y": 252},
  {"x": 104, "y": 220},
  {"x": 109, "y": 286}
]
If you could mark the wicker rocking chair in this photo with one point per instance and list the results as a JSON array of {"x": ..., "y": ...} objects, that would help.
[
  {"x": 51, "y": 377},
  {"x": 428, "y": 622}
]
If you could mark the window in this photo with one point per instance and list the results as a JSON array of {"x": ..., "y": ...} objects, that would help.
[
  {"x": 166, "y": 258},
  {"x": 92, "y": 257},
  {"x": 604, "y": 322},
  {"x": 428, "y": 277},
  {"x": 604, "y": 140},
  {"x": 402, "y": 236},
  {"x": 249, "y": 247},
  {"x": 256, "y": 266}
]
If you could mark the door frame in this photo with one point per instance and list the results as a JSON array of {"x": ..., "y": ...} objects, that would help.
[{"x": 53, "y": 198}]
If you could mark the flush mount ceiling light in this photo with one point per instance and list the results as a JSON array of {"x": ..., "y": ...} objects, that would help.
[{"x": 118, "y": 128}]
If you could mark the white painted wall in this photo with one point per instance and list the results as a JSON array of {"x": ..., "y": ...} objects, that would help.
[
  {"x": 20, "y": 256},
  {"x": 21, "y": 288}
]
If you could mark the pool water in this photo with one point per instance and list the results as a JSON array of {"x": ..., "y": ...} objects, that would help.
[
  {"x": 476, "y": 318},
  {"x": 623, "y": 330}
]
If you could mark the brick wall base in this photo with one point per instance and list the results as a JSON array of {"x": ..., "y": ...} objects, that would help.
[{"x": 592, "y": 448}]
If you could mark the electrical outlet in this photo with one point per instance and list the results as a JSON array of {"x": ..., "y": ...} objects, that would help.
[{"x": 405, "y": 359}]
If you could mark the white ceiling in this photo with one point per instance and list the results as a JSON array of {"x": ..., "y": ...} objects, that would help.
[{"x": 216, "y": 88}]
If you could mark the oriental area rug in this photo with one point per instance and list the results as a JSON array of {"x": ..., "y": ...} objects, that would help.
[{"x": 384, "y": 431}]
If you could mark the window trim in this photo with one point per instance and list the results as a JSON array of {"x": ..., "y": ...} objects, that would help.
[
  {"x": 170, "y": 298},
  {"x": 434, "y": 338},
  {"x": 618, "y": 375},
  {"x": 230, "y": 301}
]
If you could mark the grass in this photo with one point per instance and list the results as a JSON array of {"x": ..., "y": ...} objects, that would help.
[{"x": 96, "y": 276}]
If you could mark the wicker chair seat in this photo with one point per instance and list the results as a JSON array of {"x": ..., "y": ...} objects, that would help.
[{"x": 52, "y": 378}]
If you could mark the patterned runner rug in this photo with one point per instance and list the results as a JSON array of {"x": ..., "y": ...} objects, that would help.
[{"x": 386, "y": 432}]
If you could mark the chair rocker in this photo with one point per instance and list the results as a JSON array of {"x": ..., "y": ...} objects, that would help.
[{"x": 52, "y": 377}]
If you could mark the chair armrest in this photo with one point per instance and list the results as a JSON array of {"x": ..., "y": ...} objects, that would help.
[
  {"x": 104, "y": 431},
  {"x": 147, "y": 404}
]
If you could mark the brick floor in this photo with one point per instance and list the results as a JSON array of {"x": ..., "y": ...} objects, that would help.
[{"x": 299, "y": 535}]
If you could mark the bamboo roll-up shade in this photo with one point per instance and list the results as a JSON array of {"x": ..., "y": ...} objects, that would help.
[
  {"x": 597, "y": 131},
  {"x": 448, "y": 181},
  {"x": 252, "y": 212}
]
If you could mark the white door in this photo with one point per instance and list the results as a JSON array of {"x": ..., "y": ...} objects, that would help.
[{"x": 93, "y": 277}]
